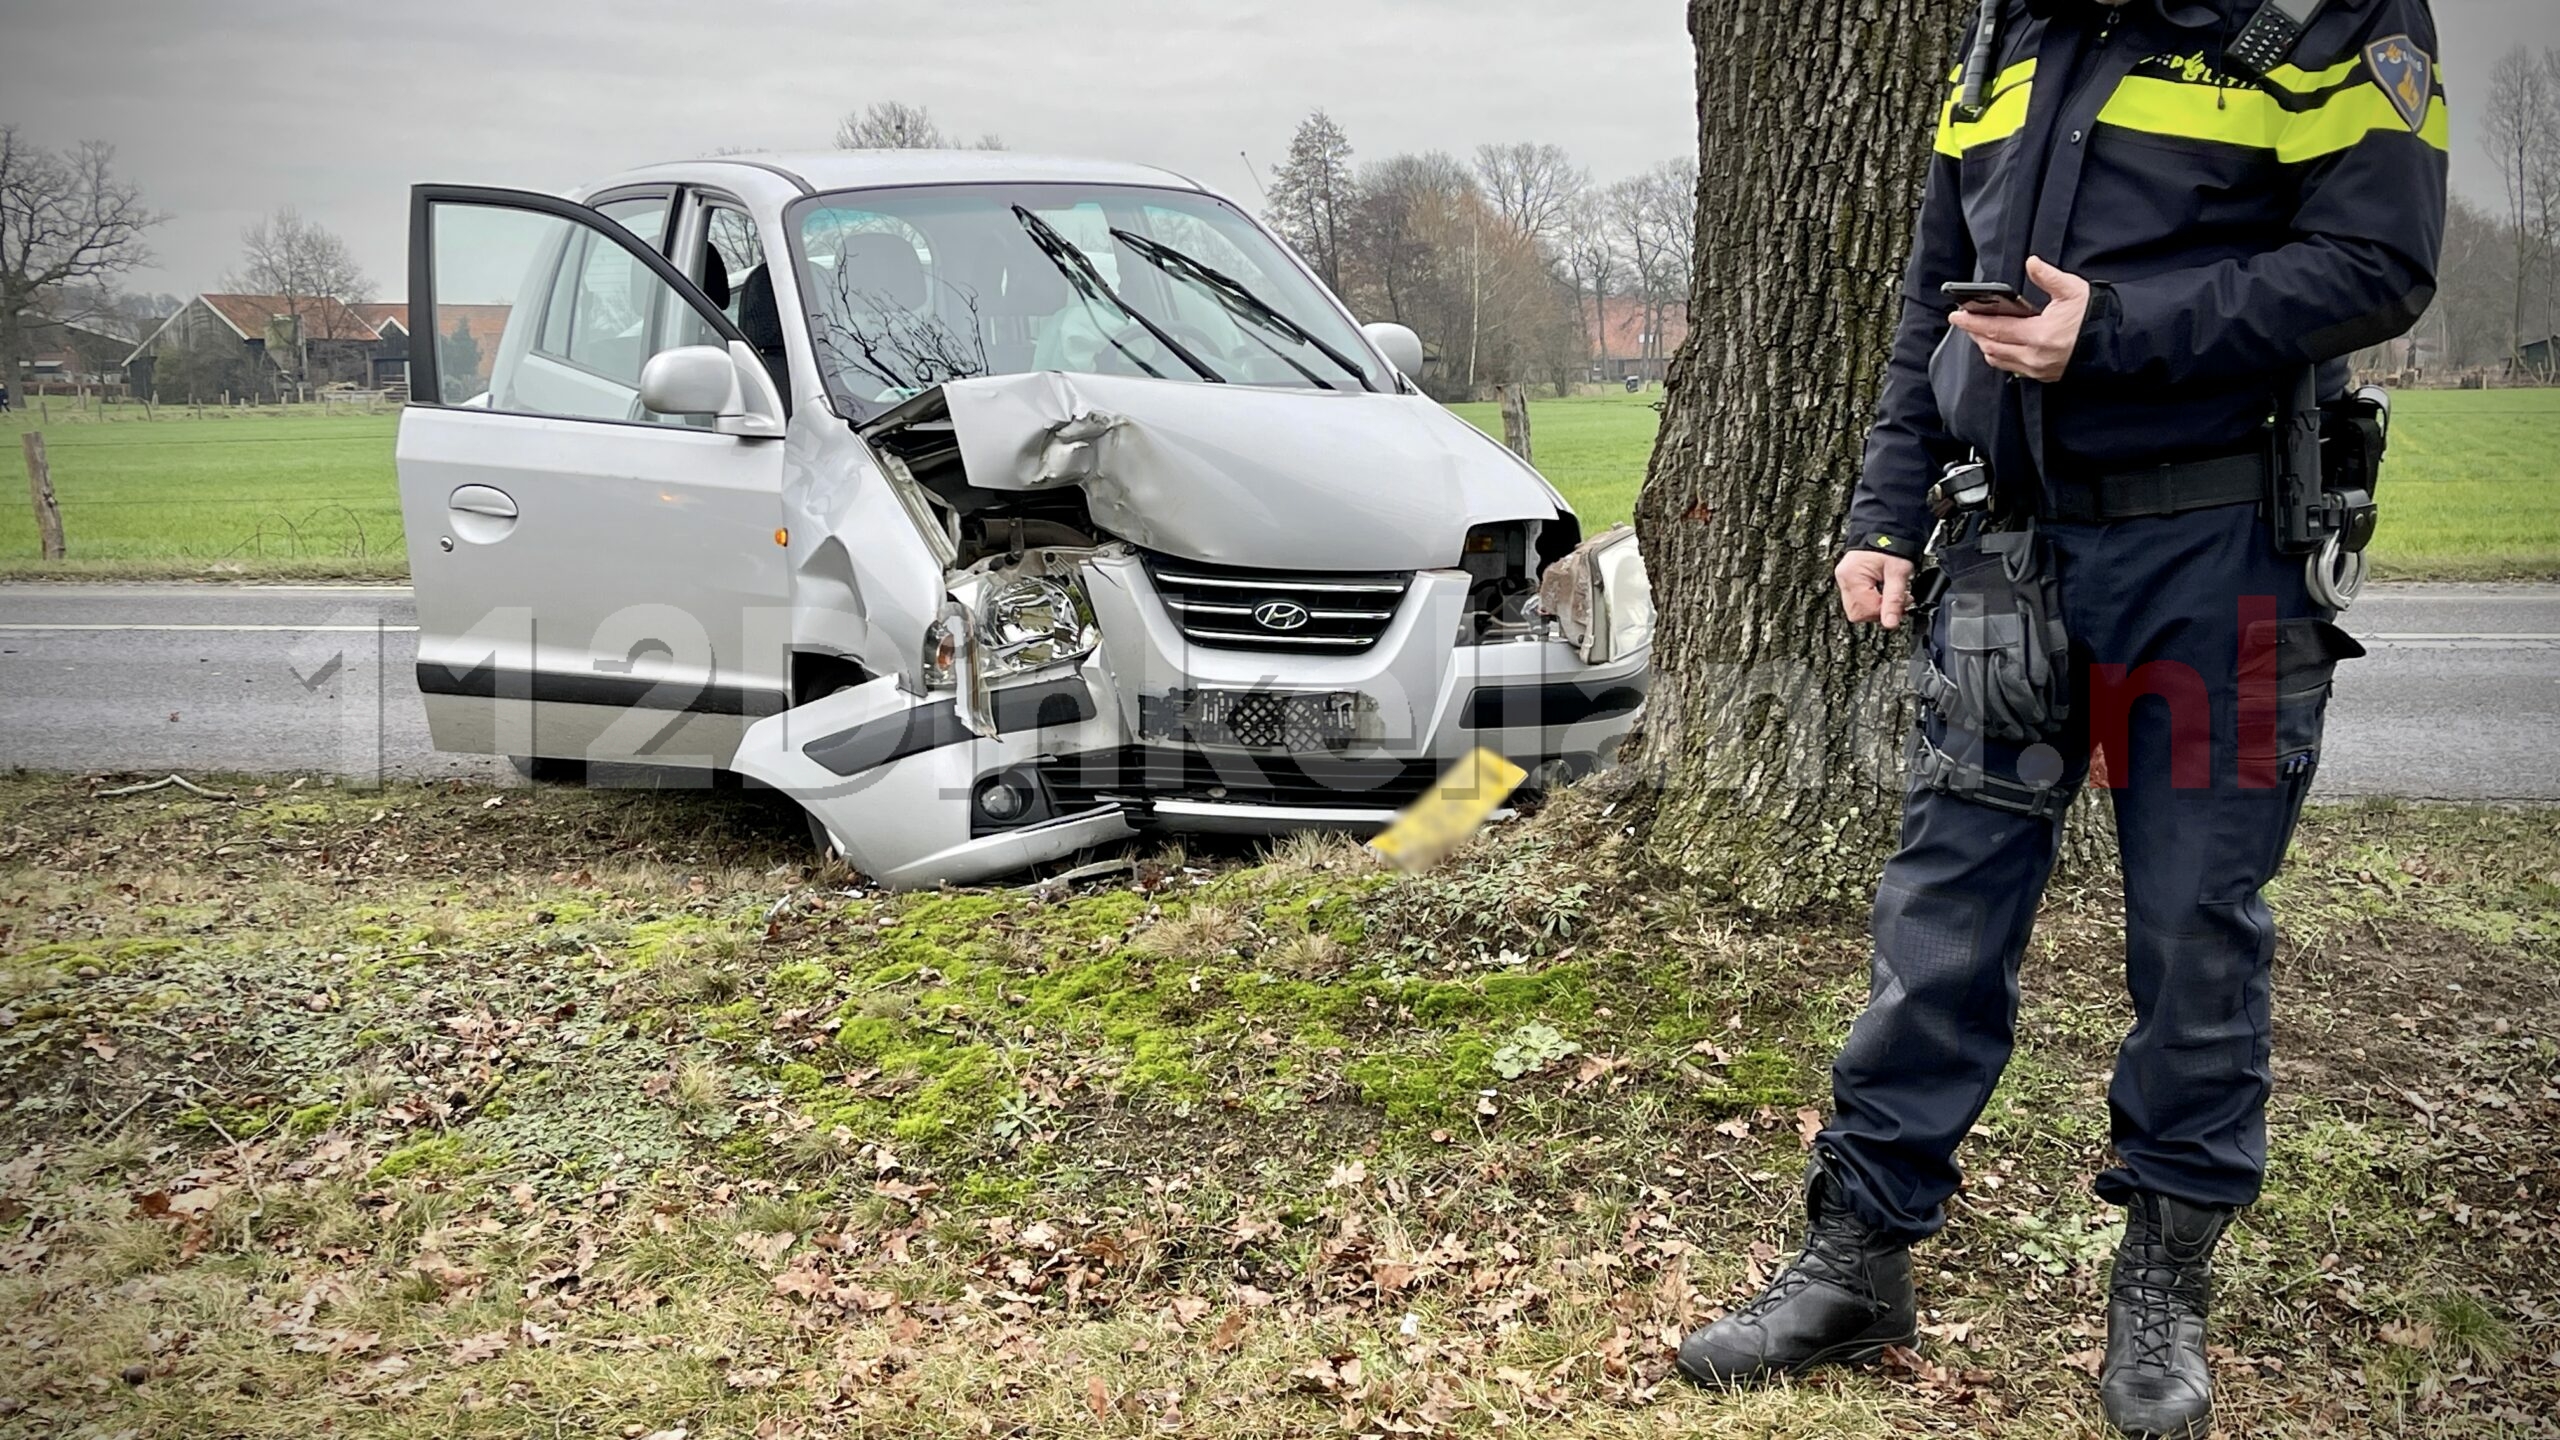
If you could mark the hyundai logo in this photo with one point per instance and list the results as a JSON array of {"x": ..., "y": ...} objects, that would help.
[{"x": 1281, "y": 615}]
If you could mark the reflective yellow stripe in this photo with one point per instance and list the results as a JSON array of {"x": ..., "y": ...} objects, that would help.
[
  {"x": 2251, "y": 117},
  {"x": 2003, "y": 115},
  {"x": 2303, "y": 82}
]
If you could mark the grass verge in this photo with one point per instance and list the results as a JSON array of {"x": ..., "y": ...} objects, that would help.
[
  {"x": 2472, "y": 492},
  {"x": 432, "y": 1112}
]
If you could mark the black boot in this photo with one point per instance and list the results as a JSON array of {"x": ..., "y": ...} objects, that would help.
[
  {"x": 2156, "y": 1384},
  {"x": 1843, "y": 1300}
]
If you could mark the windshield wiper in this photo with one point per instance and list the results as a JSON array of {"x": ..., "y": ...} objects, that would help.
[
  {"x": 1078, "y": 268},
  {"x": 1236, "y": 295}
]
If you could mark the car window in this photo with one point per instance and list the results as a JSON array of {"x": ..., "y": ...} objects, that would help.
[
  {"x": 642, "y": 215},
  {"x": 910, "y": 288},
  {"x": 733, "y": 250},
  {"x": 539, "y": 314}
]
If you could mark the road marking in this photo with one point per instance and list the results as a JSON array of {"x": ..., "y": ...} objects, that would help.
[{"x": 288, "y": 629}]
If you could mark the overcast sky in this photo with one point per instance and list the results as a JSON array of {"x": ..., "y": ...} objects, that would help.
[{"x": 223, "y": 112}]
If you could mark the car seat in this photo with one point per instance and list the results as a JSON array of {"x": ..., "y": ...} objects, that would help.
[{"x": 760, "y": 320}]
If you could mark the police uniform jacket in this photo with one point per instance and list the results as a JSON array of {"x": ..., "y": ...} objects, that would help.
[{"x": 2235, "y": 228}]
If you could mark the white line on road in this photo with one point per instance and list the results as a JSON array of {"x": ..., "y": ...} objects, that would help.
[{"x": 289, "y": 629}]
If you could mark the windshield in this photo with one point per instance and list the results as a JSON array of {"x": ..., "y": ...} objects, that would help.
[{"x": 908, "y": 288}]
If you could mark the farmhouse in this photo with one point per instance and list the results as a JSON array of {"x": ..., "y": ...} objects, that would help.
[
  {"x": 57, "y": 353},
  {"x": 470, "y": 339},
  {"x": 1633, "y": 338},
  {"x": 254, "y": 345}
]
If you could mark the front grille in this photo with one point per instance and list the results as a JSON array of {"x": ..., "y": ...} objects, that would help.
[
  {"x": 1232, "y": 608},
  {"x": 1138, "y": 772}
]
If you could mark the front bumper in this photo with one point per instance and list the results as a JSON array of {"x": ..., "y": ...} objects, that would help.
[{"x": 904, "y": 789}]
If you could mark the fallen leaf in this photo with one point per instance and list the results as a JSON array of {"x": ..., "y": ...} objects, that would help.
[
  {"x": 1347, "y": 1175},
  {"x": 488, "y": 1346},
  {"x": 1097, "y": 1398},
  {"x": 1230, "y": 1333},
  {"x": 1808, "y": 1125}
]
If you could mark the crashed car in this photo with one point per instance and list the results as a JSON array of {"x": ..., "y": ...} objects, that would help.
[{"x": 994, "y": 508}]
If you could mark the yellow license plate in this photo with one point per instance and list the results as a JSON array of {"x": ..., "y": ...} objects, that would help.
[{"x": 1450, "y": 811}]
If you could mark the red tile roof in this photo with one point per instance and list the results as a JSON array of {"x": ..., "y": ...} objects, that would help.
[
  {"x": 376, "y": 312},
  {"x": 323, "y": 317}
]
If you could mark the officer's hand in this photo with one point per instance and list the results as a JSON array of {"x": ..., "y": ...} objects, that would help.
[
  {"x": 2036, "y": 346},
  {"x": 1874, "y": 586}
]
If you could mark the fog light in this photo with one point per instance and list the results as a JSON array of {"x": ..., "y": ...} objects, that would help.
[{"x": 1003, "y": 799}]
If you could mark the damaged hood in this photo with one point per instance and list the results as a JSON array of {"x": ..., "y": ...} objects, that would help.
[{"x": 1241, "y": 475}]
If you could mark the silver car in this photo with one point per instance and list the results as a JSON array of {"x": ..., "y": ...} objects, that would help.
[{"x": 993, "y": 507}]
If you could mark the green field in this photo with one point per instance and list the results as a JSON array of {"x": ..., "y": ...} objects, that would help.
[
  {"x": 253, "y": 494},
  {"x": 2473, "y": 491}
]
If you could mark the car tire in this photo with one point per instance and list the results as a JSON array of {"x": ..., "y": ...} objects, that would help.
[
  {"x": 549, "y": 769},
  {"x": 819, "y": 839}
]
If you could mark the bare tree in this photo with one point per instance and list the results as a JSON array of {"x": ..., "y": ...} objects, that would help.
[
  {"x": 311, "y": 273},
  {"x": 1652, "y": 224},
  {"x": 1388, "y": 264},
  {"x": 1531, "y": 186},
  {"x": 1763, "y": 790},
  {"x": 1591, "y": 261},
  {"x": 2516, "y": 124},
  {"x": 897, "y": 125},
  {"x": 1311, "y": 195},
  {"x": 67, "y": 222}
]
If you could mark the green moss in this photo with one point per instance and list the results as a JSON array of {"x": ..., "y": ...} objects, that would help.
[
  {"x": 738, "y": 1023},
  {"x": 312, "y": 1119},
  {"x": 1427, "y": 1087},
  {"x": 280, "y": 815},
  {"x": 802, "y": 1080},
  {"x": 439, "y": 1155},
  {"x": 801, "y": 977},
  {"x": 1162, "y": 1062},
  {"x": 1758, "y": 1077},
  {"x": 1559, "y": 991},
  {"x": 1096, "y": 917}
]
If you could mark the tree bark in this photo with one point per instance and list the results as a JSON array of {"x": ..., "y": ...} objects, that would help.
[{"x": 1773, "y": 734}]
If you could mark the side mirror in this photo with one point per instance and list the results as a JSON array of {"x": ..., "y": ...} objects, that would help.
[
  {"x": 691, "y": 380},
  {"x": 713, "y": 380},
  {"x": 1398, "y": 343}
]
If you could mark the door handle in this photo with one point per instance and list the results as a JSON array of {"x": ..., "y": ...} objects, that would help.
[
  {"x": 486, "y": 500},
  {"x": 481, "y": 514}
]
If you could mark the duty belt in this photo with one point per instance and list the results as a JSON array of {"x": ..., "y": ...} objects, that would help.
[{"x": 2161, "y": 490}]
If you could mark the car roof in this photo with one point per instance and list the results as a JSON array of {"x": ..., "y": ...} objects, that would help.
[{"x": 818, "y": 170}]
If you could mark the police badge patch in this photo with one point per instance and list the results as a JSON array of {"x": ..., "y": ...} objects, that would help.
[{"x": 2405, "y": 73}]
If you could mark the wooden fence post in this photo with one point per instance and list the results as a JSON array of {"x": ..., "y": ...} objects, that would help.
[
  {"x": 40, "y": 490},
  {"x": 1515, "y": 418}
]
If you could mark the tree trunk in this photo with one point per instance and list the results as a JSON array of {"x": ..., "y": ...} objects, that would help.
[
  {"x": 1515, "y": 418},
  {"x": 1773, "y": 733}
]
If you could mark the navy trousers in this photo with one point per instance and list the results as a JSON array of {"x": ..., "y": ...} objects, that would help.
[{"x": 2202, "y": 670}]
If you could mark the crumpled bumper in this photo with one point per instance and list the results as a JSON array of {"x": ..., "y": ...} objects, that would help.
[{"x": 903, "y": 787}]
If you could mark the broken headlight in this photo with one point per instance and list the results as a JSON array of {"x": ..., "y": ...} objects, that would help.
[
  {"x": 1032, "y": 623},
  {"x": 1600, "y": 598}
]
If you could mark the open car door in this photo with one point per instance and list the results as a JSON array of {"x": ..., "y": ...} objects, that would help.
[{"x": 590, "y": 475}]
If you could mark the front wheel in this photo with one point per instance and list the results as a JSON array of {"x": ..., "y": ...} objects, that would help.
[{"x": 549, "y": 769}]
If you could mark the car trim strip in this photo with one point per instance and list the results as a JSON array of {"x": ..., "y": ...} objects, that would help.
[
  {"x": 623, "y": 692},
  {"x": 931, "y": 726},
  {"x": 1504, "y": 707}
]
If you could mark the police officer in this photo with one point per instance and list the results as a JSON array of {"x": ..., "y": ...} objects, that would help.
[{"x": 2204, "y": 203}]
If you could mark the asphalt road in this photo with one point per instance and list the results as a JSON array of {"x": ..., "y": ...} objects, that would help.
[{"x": 2459, "y": 698}]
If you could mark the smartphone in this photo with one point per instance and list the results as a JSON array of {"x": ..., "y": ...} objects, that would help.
[{"x": 1989, "y": 297}]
